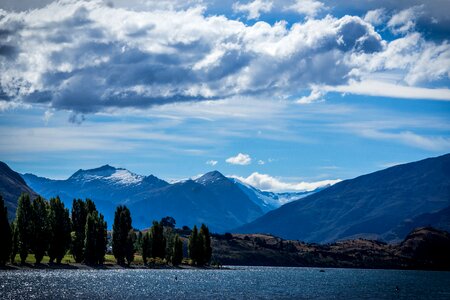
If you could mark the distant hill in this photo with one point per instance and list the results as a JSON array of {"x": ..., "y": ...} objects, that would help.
[
  {"x": 11, "y": 186},
  {"x": 214, "y": 199},
  {"x": 382, "y": 205},
  {"x": 423, "y": 248}
]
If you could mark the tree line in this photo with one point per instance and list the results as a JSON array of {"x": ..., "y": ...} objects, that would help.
[{"x": 45, "y": 227}]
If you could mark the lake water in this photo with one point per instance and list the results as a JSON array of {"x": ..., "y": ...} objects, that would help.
[{"x": 237, "y": 283}]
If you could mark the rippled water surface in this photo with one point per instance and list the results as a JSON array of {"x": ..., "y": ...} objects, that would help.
[{"x": 237, "y": 283}]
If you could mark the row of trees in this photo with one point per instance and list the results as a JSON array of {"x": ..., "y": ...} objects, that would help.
[{"x": 45, "y": 227}]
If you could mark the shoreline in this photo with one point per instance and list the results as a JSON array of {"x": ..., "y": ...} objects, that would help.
[{"x": 106, "y": 266}]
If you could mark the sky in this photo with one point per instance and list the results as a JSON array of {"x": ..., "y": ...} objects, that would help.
[{"x": 285, "y": 95}]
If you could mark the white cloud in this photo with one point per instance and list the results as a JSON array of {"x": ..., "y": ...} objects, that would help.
[
  {"x": 310, "y": 8},
  {"x": 253, "y": 8},
  {"x": 405, "y": 20},
  {"x": 239, "y": 159},
  {"x": 433, "y": 143},
  {"x": 88, "y": 57},
  {"x": 376, "y": 17},
  {"x": 315, "y": 95},
  {"x": 261, "y": 162},
  {"x": 268, "y": 183},
  {"x": 212, "y": 162},
  {"x": 85, "y": 56},
  {"x": 379, "y": 88}
]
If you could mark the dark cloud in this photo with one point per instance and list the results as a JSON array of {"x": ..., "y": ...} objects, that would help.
[{"x": 88, "y": 57}]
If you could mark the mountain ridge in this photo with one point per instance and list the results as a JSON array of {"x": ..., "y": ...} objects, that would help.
[{"x": 368, "y": 205}]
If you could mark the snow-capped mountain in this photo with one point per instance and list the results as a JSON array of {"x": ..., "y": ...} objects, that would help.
[
  {"x": 211, "y": 198},
  {"x": 268, "y": 201}
]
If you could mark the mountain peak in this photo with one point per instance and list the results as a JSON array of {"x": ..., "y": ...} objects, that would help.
[
  {"x": 109, "y": 173},
  {"x": 210, "y": 177}
]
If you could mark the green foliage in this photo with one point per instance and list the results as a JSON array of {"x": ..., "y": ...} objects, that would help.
[
  {"x": 200, "y": 246},
  {"x": 101, "y": 239},
  {"x": 79, "y": 215},
  {"x": 177, "y": 256},
  {"x": 138, "y": 243},
  {"x": 41, "y": 230},
  {"x": 158, "y": 240},
  {"x": 129, "y": 247},
  {"x": 60, "y": 228},
  {"x": 168, "y": 222},
  {"x": 193, "y": 245},
  {"x": 5, "y": 233},
  {"x": 14, "y": 241},
  {"x": 207, "y": 249},
  {"x": 24, "y": 216},
  {"x": 146, "y": 247},
  {"x": 90, "y": 256},
  {"x": 121, "y": 229}
]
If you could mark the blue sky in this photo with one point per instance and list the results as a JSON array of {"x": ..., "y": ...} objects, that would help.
[{"x": 273, "y": 92}]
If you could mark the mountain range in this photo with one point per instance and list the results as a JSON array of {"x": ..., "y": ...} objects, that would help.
[
  {"x": 222, "y": 203},
  {"x": 383, "y": 205}
]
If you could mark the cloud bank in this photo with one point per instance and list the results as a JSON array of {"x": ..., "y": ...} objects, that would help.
[
  {"x": 88, "y": 56},
  {"x": 268, "y": 183}
]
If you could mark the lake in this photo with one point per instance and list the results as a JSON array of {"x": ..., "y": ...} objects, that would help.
[{"x": 237, "y": 283}]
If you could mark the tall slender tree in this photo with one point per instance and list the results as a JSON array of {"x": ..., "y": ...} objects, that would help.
[
  {"x": 129, "y": 247},
  {"x": 5, "y": 233},
  {"x": 158, "y": 240},
  {"x": 177, "y": 256},
  {"x": 102, "y": 239},
  {"x": 14, "y": 242},
  {"x": 60, "y": 227},
  {"x": 146, "y": 247},
  {"x": 41, "y": 232},
  {"x": 193, "y": 245},
  {"x": 79, "y": 215},
  {"x": 24, "y": 226},
  {"x": 121, "y": 229},
  {"x": 207, "y": 249},
  {"x": 90, "y": 256}
]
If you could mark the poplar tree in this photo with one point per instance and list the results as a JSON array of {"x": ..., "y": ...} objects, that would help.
[
  {"x": 158, "y": 240},
  {"x": 79, "y": 215},
  {"x": 146, "y": 247},
  {"x": 59, "y": 230},
  {"x": 129, "y": 246},
  {"x": 14, "y": 242},
  {"x": 207, "y": 249},
  {"x": 193, "y": 245},
  {"x": 102, "y": 239},
  {"x": 90, "y": 256},
  {"x": 41, "y": 232},
  {"x": 24, "y": 217},
  {"x": 5, "y": 233},
  {"x": 177, "y": 256},
  {"x": 121, "y": 229}
]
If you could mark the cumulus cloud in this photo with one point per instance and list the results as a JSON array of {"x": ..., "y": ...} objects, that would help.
[
  {"x": 376, "y": 16},
  {"x": 88, "y": 57},
  {"x": 261, "y": 162},
  {"x": 240, "y": 159},
  {"x": 268, "y": 183},
  {"x": 212, "y": 162},
  {"x": 315, "y": 95},
  {"x": 253, "y": 8},
  {"x": 310, "y": 8},
  {"x": 405, "y": 20}
]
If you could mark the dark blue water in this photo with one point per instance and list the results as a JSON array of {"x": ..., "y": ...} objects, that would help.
[{"x": 238, "y": 283}]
